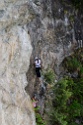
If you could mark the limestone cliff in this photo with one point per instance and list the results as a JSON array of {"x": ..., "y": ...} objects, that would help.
[
  {"x": 29, "y": 28},
  {"x": 53, "y": 30},
  {"x": 15, "y": 52}
]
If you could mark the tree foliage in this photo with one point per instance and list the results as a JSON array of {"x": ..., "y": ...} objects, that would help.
[{"x": 68, "y": 95}]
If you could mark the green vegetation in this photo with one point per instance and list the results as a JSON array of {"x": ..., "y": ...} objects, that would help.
[
  {"x": 68, "y": 94},
  {"x": 67, "y": 102},
  {"x": 49, "y": 76},
  {"x": 75, "y": 63},
  {"x": 71, "y": 18},
  {"x": 39, "y": 119}
]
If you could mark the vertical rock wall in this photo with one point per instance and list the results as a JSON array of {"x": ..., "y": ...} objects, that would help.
[
  {"x": 15, "y": 104},
  {"x": 53, "y": 30},
  {"x": 48, "y": 27},
  {"x": 53, "y": 33},
  {"x": 15, "y": 52}
]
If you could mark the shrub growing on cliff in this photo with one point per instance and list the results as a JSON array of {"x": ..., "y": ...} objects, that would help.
[
  {"x": 39, "y": 119},
  {"x": 67, "y": 102},
  {"x": 60, "y": 100},
  {"x": 72, "y": 64},
  {"x": 49, "y": 76},
  {"x": 68, "y": 95}
]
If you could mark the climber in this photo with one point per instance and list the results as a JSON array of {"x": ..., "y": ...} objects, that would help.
[
  {"x": 38, "y": 68},
  {"x": 34, "y": 101}
]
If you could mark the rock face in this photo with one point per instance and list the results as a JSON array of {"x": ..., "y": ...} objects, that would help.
[
  {"x": 53, "y": 30},
  {"x": 15, "y": 104},
  {"x": 15, "y": 53},
  {"x": 47, "y": 26}
]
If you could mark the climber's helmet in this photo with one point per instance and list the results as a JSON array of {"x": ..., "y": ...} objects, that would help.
[{"x": 36, "y": 58}]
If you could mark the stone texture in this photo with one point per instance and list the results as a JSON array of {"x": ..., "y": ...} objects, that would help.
[
  {"x": 15, "y": 53},
  {"x": 15, "y": 104},
  {"x": 48, "y": 27},
  {"x": 52, "y": 31}
]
